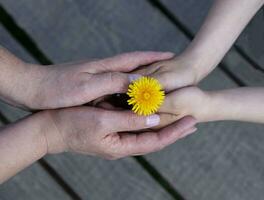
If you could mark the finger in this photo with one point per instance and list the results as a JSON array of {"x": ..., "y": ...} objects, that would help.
[
  {"x": 107, "y": 83},
  {"x": 166, "y": 119},
  {"x": 143, "y": 143},
  {"x": 120, "y": 121},
  {"x": 188, "y": 132},
  {"x": 129, "y": 61},
  {"x": 170, "y": 104}
]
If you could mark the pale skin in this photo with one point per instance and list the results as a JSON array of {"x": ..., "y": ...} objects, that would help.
[
  {"x": 68, "y": 129},
  {"x": 222, "y": 26},
  {"x": 238, "y": 104},
  {"x": 71, "y": 84},
  {"x": 83, "y": 129},
  {"x": 224, "y": 23}
]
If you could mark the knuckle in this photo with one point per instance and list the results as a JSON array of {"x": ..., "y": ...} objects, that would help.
[
  {"x": 118, "y": 79},
  {"x": 97, "y": 120},
  {"x": 132, "y": 121},
  {"x": 101, "y": 120},
  {"x": 113, "y": 76},
  {"x": 99, "y": 124}
]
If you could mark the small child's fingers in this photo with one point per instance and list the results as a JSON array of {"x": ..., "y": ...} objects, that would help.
[{"x": 170, "y": 104}]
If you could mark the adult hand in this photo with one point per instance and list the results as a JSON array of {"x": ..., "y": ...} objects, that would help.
[
  {"x": 106, "y": 133},
  {"x": 64, "y": 85}
]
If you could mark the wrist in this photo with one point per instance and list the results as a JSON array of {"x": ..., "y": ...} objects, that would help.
[
  {"x": 221, "y": 107},
  {"x": 54, "y": 139},
  {"x": 23, "y": 90},
  {"x": 201, "y": 105},
  {"x": 41, "y": 125},
  {"x": 195, "y": 63},
  {"x": 202, "y": 61},
  {"x": 22, "y": 143},
  {"x": 36, "y": 78},
  {"x": 185, "y": 65}
]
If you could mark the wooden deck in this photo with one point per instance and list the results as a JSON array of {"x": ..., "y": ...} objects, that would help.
[{"x": 223, "y": 161}]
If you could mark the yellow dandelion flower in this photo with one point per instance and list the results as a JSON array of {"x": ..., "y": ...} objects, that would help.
[{"x": 146, "y": 95}]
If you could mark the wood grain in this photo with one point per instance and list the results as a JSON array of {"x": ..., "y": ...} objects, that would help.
[
  {"x": 90, "y": 178},
  {"x": 222, "y": 161}
]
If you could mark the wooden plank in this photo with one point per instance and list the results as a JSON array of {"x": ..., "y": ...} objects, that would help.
[
  {"x": 89, "y": 177},
  {"x": 92, "y": 32},
  {"x": 99, "y": 179},
  {"x": 251, "y": 41},
  {"x": 32, "y": 183},
  {"x": 208, "y": 164}
]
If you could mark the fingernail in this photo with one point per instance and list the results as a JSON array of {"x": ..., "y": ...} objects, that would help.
[
  {"x": 133, "y": 77},
  {"x": 153, "y": 120}
]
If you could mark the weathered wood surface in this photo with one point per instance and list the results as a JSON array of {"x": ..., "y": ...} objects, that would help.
[
  {"x": 30, "y": 184},
  {"x": 94, "y": 178},
  {"x": 222, "y": 160},
  {"x": 192, "y": 14},
  {"x": 91, "y": 178},
  {"x": 33, "y": 182},
  {"x": 80, "y": 29}
]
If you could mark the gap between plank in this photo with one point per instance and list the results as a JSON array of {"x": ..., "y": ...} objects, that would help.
[
  {"x": 188, "y": 33},
  {"x": 248, "y": 59},
  {"x": 22, "y": 37},
  {"x": 152, "y": 171},
  {"x": 59, "y": 180},
  {"x": 31, "y": 47}
]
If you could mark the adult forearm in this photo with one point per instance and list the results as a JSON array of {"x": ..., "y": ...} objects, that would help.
[
  {"x": 12, "y": 70},
  {"x": 241, "y": 104},
  {"x": 17, "y": 80},
  {"x": 21, "y": 144},
  {"x": 224, "y": 23}
]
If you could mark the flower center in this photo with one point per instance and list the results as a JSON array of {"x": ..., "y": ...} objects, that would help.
[{"x": 146, "y": 95}]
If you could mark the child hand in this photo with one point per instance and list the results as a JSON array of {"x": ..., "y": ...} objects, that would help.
[
  {"x": 175, "y": 73},
  {"x": 183, "y": 102}
]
